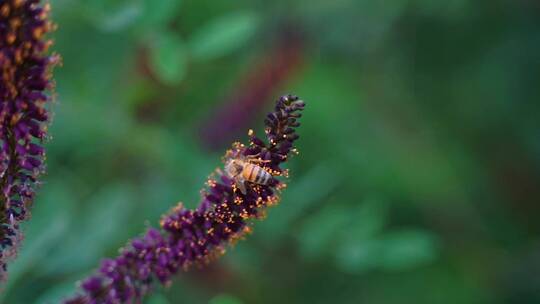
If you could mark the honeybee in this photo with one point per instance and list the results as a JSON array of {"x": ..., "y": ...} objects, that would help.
[{"x": 244, "y": 169}]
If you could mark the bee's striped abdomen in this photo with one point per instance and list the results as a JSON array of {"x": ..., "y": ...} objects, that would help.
[
  {"x": 255, "y": 174},
  {"x": 263, "y": 177}
]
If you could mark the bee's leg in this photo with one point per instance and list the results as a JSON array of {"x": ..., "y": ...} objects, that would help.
[
  {"x": 256, "y": 159},
  {"x": 254, "y": 156},
  {"x": 260, "y": 161}
]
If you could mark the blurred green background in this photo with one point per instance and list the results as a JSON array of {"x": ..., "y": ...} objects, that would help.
[{"x": 418, "y": 179}]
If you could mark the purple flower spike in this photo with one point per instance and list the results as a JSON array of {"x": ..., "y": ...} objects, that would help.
[
  {"x": 24, "y": 79},
  {"x": 189, "y": 237}
]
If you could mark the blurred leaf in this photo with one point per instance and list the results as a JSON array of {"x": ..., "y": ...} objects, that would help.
[
  {"x": 225, "y": 299},
  {"x": 369, "y": 218},
  {"x": 335, "y": 225},
  {"x": 358, "y": 247},
  {"x": 319, "y": 230},
  {"x": 223, "y": 35},
  {"x": 160, "y": 12},
  {"x": 92, "y": 233},
  {"x": 113, "y": 16},
  {"x": 310, "y": 188},
  {"x": 168, "y": 58},
  {"x": 368, "y": 21},
  {"x": 58, "y": 292},
  {"x": 121, "y": 19},
  {"x": 406, "y": 249},
  {"x": 358, "y": 256},
  {"x": 400, "y": 250}
]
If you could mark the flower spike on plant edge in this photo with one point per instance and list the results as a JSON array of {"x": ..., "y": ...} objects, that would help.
[
  {"x": 25, "y": 87},
  {"x": 187, "y": 237}
]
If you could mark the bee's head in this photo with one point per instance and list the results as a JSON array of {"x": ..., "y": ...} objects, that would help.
[{"x": 234, "y": 167}]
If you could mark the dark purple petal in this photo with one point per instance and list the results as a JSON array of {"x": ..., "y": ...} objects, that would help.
[{"x": 92, "y": 284}]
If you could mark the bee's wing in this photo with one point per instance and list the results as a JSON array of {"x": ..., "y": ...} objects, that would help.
[{"x": 241, "y": 186}]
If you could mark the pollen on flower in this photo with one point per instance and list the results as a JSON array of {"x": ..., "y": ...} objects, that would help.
[
  {"x": 248, "y": 230},
  {"x": 275, "y": 172},
  {"x": 286, "y": 173},
  {"x": 4, "y": 10},
  {"x": 281, "y": 186},
  {"x": 261, "y": 215},
  {"x": 17, "y": 3},
  {"x": 211, "y": 183},
  {"x": 241, "y": 235}
]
